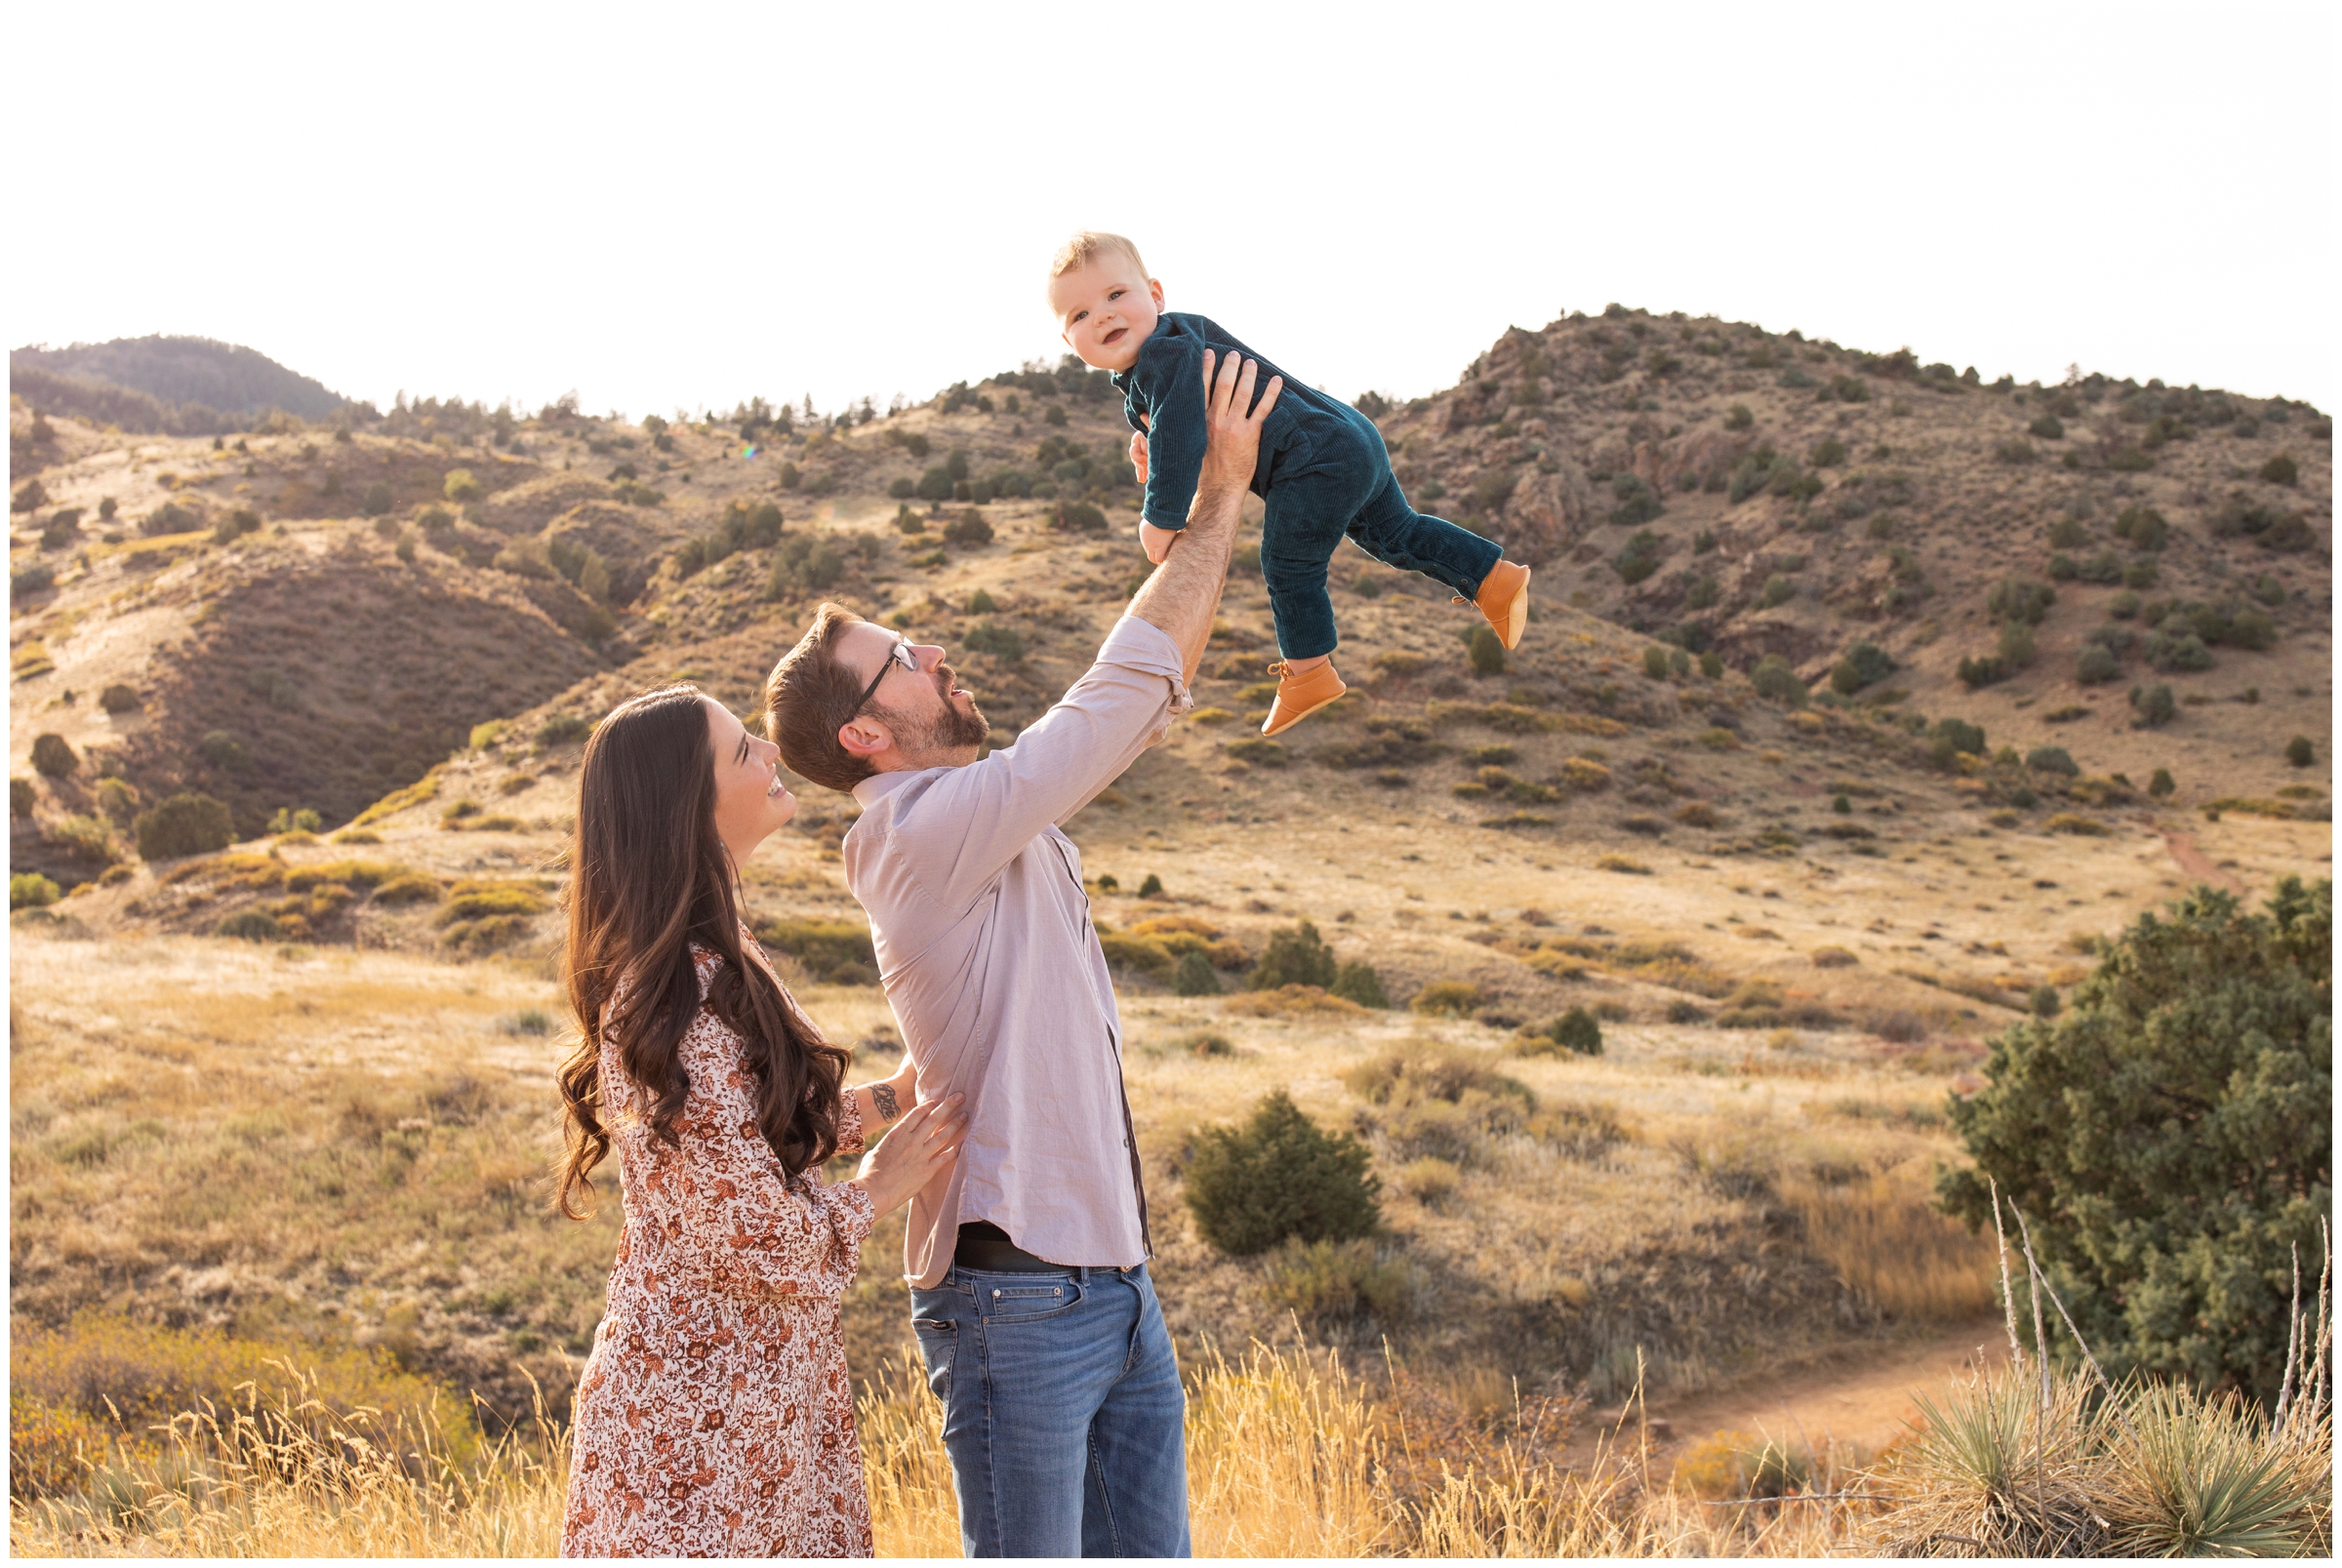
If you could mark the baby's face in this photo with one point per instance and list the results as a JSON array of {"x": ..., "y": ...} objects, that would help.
[{"x": 1105, "y": 309}]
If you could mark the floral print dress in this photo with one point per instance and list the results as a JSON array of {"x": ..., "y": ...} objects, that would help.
[{"x": 715, "y": 1417}]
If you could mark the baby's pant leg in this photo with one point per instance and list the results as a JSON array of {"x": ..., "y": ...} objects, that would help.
[
  {"x": 1393, "y": 531},
  {"x": 1301, "y": 527}
]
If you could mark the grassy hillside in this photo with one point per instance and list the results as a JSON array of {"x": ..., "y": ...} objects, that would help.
[
  {"x": 160, "y": 384},
  {"x": 1720, "y": 485},
  {"x": 1794, "y": 918}
]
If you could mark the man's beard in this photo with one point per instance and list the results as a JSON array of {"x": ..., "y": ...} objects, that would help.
[{"x": 951, "y": 730}]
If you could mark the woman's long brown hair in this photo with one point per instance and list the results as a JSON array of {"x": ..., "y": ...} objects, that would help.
[{"x": 649, "y": 880}]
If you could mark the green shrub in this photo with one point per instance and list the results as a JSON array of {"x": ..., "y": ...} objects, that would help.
[
  {"x": 1654, "y": 662},
  {"x": 980, "y": 603},
  {"x": 2155, "y": 705},
  {"x": 1774, "y": 679},
  {"x": 223, "y": 751},
  {"x": 2052, "y": 759},
  {"x": 2124, "y": 606},
  {"x": 2021, "y": 599},
  {"x": 2143, "y": 526},
  {"x": 184, "y": 825},
  {"x": 1984, "y": 671},
  {"x": 1192, "y": 976},
  {"x": 38, "y": 578},
  {"x": 1738, "y": 417},
  {"x": 1486, "y": 651},
  {"x": 563, "y": 729},
  {"x": 1077, "y": 517},
  {"x": 836, "y": 953},
  {"x": 378, "y": 500},
  {"x": 1295, "y": 956},
  {"x": 1711, "y": 664},
  {"x": 1359, "y": 983},
  {"x": 250, "y": 925},
  {"x": 1866, "y": 665},
  {"x": 1447, "y": 998},
  {"x": 2016, "y": 646},
  {"x": 30, "y": 890},
  {"x": 2183, "y": 651},
  {"x": 2300, "y": 752},
  {"x": 998, "y": 642},
  {"x": 53, "y": 757},
  {"x": 459, "y": 486},
  {"x": 2280, "y": 470},
  {"x": 2161, "y": 786},
  {"x": 1637, "y": 502},
  {"x": 1278, "y": 1175},
  {"x": 2169, "y": 1138},
  {"x": 1639, "y": 558},
  {"x": 1829, "y": 453},
  {"x": 968, "y": 531},
  {"x": 2096, "y": 666},
  {"x": 1577, "y": 1032},
  {"x": 1961, "y": 736}
]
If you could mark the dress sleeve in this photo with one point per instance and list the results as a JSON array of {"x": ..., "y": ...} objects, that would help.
[
  {"x": 717, "y": 1197},
  {"x": 849, "y": 1125},
  {"x": 1171, "y": 377}
]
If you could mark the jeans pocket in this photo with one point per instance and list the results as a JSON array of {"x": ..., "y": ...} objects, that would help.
[
  {"x": 1000, "y": 1300},
  {"x": 939, "y": 1342}
]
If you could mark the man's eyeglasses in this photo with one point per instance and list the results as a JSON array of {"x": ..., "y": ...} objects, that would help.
[{"x": 901, "y": 654}]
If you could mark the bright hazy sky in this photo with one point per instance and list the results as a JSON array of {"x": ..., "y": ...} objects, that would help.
[{"x": 663, "y": 207}]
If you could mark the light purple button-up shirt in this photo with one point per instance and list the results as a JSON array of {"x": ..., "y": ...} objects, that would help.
[{"x": 986, "y": 947}]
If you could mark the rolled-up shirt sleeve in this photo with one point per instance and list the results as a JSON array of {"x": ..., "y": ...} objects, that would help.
[{"x": 969, "y": 822}]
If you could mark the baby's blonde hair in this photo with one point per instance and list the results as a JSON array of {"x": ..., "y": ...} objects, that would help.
[{"x": 1086, "y": 247}]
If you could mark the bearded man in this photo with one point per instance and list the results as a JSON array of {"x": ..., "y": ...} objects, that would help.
[{"x": 1028, "y": 1263}]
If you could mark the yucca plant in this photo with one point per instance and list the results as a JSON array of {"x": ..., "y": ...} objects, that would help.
[
  {"x": 2198, "y": 1478},
  {"x": 1997, "y": 1471}
]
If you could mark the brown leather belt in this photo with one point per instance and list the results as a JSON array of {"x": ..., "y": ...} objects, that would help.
[{"x": 983, "y": 1245}]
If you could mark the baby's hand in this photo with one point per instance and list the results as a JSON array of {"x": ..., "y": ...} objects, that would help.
[
  {"x": 1156, "y": 542},
  {"x": 1138, "y": 453}
]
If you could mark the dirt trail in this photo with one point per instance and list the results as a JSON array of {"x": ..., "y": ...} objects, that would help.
[
  {"x": 1864, "y": 1403},
  {"x": 2198, "y": 865}
]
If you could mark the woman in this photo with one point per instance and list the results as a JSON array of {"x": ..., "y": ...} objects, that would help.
[{"x": 714, "y": 1417}]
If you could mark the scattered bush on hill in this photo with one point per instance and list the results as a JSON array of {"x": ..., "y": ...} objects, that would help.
[
  {"x": 1359, "y": 982},
  {"x": 1866, "y": 665},
  {"x": 1278, "y": 1175},
  {"x": 1639, "y": 558},
  {"x": 1296, "y": 956},
  {"x": 1637, "y": 502},
  {"x": 833, "y": 952},
  {"x": 53, "y": 757},
  {"x": 30, "y": 890},
  {"x": 2169, "y": 1138},
  {"x": 2300, "y": 752},
  {"x": 2155, "y": 705},
  {"x": 1576, "y": 1032},
  {"x": 1774, "y": 679},
  {"x": 184, "y": 825}
]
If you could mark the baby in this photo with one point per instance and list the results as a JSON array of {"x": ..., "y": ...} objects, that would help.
[{"x": 1323, "y": 471}]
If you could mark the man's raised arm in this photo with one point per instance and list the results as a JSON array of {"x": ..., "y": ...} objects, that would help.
[{"x": 1184, "y": 594}]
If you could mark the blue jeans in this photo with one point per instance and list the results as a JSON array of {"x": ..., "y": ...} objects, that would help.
[
  {"x": 1343, "y": 484},
  {"x": 1063, "y": 1412}
]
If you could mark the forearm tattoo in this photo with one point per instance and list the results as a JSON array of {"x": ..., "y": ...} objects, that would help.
[{"x": 883, "y": 1100}]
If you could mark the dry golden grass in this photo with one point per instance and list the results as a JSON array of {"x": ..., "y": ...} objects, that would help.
[{"x": 1287, "y": 1457}]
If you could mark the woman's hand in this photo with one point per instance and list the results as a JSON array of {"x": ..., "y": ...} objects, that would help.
[{"x": 920, "y": 1149}]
